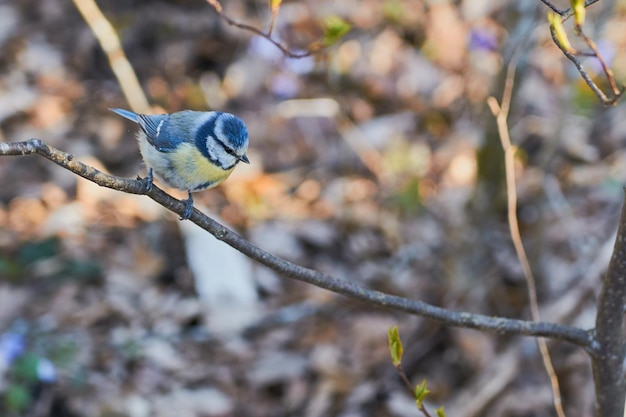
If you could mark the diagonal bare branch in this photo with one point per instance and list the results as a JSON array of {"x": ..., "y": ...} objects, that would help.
[{"x": 501, "y": 325}]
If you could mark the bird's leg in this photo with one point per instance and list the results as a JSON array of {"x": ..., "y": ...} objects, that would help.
[
  {"x": 148, "y": 180},
  {"x": 188, "y": 207}
]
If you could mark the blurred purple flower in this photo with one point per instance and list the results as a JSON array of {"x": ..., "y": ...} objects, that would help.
[
  {"x": 285, "y": 85},
  {"x": 606, "y": 49},
  {"x": 301, "y": 65},
  {"x": 263, "y": 48},
  {"x": 46, "y": 370},
  {"x": 11, "y": 346},
  {"x": 483, "y": 40}
]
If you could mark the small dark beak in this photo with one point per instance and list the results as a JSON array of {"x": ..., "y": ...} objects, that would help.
[{"x": 244, "y": 158}]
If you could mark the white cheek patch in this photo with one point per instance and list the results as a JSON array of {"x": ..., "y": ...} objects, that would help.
[
  {"x": 218, "y": 154},
  {"x": 214, "y": 149},
  {"x": 219, "y": 129}
]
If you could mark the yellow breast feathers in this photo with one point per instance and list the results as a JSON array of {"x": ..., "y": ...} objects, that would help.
[{"x": 193, "y": 170}]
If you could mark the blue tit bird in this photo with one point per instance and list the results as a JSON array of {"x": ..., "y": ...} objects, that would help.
[{"x": 190, "y": 150}]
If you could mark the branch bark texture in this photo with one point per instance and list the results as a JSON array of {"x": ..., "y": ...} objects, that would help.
[{"x": 608, "y": 369}]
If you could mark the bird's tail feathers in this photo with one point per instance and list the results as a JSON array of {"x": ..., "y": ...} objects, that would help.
[{"x": 127, "y": 114}]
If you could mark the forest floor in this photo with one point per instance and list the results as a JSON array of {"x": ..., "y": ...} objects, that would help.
[{"x": 376, "y": 161}]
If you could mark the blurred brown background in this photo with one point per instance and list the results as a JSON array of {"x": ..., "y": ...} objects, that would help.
[{"x": 376, "y": 161}]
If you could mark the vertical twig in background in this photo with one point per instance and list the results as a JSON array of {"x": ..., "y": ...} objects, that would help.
[
  {"x": 501, "y": 113},
  {"x": 110, "y": 43}
]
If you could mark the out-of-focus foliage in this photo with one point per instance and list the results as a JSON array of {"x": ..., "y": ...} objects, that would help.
[
  {"x": 335, "y": 29},
  {"x": 395, "y": 345},
  {"x": 580, "y": 11},
  {"x": 556, "y": 24}
]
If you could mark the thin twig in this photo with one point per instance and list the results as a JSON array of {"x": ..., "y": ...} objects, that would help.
[
  {"x": 411, "y": 388},
  {"x": 274, "y": 8},
  {"x": 348, "y": 288},
  {"x": 501, "y": 113},
  {"x": 267, "y": 35},
  {"x": 603, "y": 98},
  {"x": 571, "y": 55},
  {"x": 566, "y": 13},
  {"x": 553, "y": 7},
  {"x": 405, "y": 379},
  {"x": 607, "y": 71}
]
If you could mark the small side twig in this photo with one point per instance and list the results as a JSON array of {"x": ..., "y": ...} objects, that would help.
[
  {"x": 566, "y": 13},
  {"x": 560, "y": 38},
  {"x": 266, "y": 34},
  {"x": 407, "y": 383},
  {"x": 583, "y": 73},
  {"x": 617, "y": 92},
  {"x": 419, "y": 392}
]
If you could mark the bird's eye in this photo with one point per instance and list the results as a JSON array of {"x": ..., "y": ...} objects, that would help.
[{"x": 230, "y": 152}]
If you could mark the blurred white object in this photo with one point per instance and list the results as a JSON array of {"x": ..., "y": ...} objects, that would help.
[{"x": 223, "y": 278}]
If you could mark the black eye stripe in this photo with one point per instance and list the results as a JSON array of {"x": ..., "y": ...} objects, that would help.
[{"x": 228, "y": 150}]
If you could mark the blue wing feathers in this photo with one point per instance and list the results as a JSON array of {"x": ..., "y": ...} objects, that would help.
[{"x": 160, "y": 133}]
